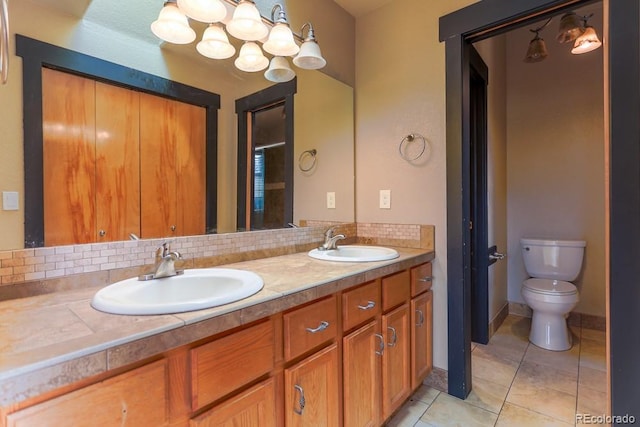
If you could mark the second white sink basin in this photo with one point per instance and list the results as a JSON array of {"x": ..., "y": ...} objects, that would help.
[
  {"x": 355, "y": 253},
  {"x": 196, "y": 289}
]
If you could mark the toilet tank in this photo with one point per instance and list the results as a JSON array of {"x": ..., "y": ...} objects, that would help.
[{"x": 553, "y": 259}]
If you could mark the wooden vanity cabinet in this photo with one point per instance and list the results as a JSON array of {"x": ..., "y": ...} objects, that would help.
[
  {"x": 421, "y": 338},
  {"x": 136, "y": 398}
]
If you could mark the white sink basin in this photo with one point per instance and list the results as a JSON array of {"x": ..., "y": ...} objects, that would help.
[
  {"x": 196, "y": 289},
  {"x": 355, "y": 253}
]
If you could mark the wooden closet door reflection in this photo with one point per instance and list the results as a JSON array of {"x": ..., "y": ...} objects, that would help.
[
  {"x": 68, "y": 119},
  {"x": 117, "y": 162},
  {"x": 158, "y": 117}
]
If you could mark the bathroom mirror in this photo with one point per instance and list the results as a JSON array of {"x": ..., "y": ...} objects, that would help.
[{"x": 93, "y": 28}]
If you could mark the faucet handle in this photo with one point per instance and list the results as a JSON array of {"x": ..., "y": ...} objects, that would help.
[{"x": 329, "y": 232}]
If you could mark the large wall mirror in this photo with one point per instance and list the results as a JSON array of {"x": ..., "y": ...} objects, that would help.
[{"x": 323, "y": 106}]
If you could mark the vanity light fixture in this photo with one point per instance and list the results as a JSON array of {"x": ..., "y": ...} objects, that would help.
[
  {"x": 588, "y": 41},
  {"x": 172, "y": 25},
  {"x": 310, "y": 57},
  {"x": 537, "y": 50},
  {"x": 245, "y": 24},
  {"x": 570, "y": 28}
]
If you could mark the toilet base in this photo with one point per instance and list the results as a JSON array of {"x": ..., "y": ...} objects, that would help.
[{"x": 550, "y": 331}]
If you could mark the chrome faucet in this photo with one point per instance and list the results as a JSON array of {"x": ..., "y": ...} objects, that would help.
[
  {"x": 331, "y": 240},
  {"x": 164, "y": 265}
]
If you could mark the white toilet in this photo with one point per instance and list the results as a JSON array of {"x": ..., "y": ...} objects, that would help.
[{"x": 551, "y": 264}]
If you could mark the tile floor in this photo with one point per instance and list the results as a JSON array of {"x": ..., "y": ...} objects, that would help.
[{"x": 518, "y": 384}]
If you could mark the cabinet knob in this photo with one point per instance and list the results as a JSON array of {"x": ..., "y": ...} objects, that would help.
[
  {"x": 381, "y": 347},
  {"x": 369, "y": 306},
  {"x": 102, "y": 233},
  {"x": 173, "y": 228},
  {"x": 323, "y": 325},
  {"x": 301, "y": 400}
]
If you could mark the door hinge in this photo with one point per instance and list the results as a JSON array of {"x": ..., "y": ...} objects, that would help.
[{"x": 470, "y": 225}]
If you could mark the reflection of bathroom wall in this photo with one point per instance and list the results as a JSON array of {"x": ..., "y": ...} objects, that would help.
[
  {"x": 493, "y": 52},
  {"x": 555, "y": 157}
]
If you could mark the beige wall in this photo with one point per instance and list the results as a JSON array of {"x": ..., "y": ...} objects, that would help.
[
  {"x": 46, "y": 24},
  {"x": 493, "y": 53},
  {"x": 555, "y": 158},
  {"x": 400, "y": 89}
]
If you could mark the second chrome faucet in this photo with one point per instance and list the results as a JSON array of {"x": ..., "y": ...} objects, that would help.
[
  {"x": 331, "y": 240},
  {"x": 164, "y": 264}
]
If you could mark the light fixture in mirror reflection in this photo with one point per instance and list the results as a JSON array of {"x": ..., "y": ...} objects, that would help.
[{"x": 246, "y": 25}]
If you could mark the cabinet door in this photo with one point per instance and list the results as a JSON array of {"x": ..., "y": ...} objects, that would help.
[
  {"x": 421, "y": 338},
  {"x": 254, "y": 407},
  {"x": 117, "y": 163},
  {"x": 312, "y": 390},
  {"x": 362, "y": 351},
  {"x": 136, "y": 398},
  {"x": 396, "y": 370},
  {"x": 69, "y": 149}
]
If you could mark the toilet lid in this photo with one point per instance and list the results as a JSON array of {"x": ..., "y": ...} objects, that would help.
[{"x": 550, "y": 287}]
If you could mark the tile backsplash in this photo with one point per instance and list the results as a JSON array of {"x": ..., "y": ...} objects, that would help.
[{"x": 34, "y": 271}]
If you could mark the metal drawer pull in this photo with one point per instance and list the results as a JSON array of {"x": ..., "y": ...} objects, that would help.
[
  {"x": 381, "y": 348},
  {"x": 420, "y": 321},
  {"x": 323, "y": 325},
  {"x": 426, "y": 279},
  {"x": 394, "y": 336},
  {"x": 301, "y": 401},
  {"x": 369, "y": 306}
]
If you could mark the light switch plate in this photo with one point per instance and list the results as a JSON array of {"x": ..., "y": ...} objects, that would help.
[
  {"x": 10, "y": 201},
  {"x": 385, "y": 199},
  {"x": 331, "y": 200}
]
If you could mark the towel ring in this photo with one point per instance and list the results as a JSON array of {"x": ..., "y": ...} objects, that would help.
[
  {"x": 408, "y": 139},
  {"x": 308, "y": 153}
]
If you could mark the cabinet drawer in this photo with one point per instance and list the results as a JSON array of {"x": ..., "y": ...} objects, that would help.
[
  {"x": 310, "y": 326},
  {"x": 360, "y": 304},
  {"x": 223, "y": 365},
  {"x": 136, "y": 398},
  {"x": 395, "y": 290},
  {"x": 421, "y": 279}
]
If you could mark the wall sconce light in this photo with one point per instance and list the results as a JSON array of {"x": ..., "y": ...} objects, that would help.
[
  {"x": 246, "y": 24},
  {"x": 588, "y": 40},
  {"x": 537, "y": 50}
]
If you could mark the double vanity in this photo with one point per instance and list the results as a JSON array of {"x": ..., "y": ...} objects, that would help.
[{"x": 310, "y": 341}]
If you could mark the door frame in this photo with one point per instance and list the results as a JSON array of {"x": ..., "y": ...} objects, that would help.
[{"x": 623, "y": 225}]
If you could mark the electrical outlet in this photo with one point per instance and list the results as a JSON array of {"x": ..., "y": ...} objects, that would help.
[
  {"x": 331, "y": 200},
  {"x": 385, "y": 199},
  {"x": 10, "y": 200}
]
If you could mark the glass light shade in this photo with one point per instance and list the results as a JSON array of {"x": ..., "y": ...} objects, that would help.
[
  {"x": 251, "y": 58},
  {"x": 215, "y": 43},
  {"x": 587, "y": 42},
  {"x": 310, "y": 57},
  {"x": 570, "y": 28},
  {"x": 281, "y": 41},
  {"x": 246, "y": 23},
  {"x": 537, "y": 50},
  {"x": 172, "y": 26},
  {"x": 279, "y": 70},
  {"x": 203, "y": 10}
]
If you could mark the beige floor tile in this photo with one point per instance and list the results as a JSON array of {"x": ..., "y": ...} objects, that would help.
[
  {"x": 591, "y": 401},
  {"x": 493, "y": 368},
  {"x": 504, "y": 346},
  {"x": 448, "y": 411},
  {"x": 517, "y": 326},
  {"x": 594, "y": 379},
  {"x": 513, "y": 415},
  {"x": 408, "y": 415},
  {"x": 564, "y": 360},
  {"x": 425, "y": 394},
  {"x": 592, "y": 334},
  {"x": 545, "y": 376},
  {"x": 593, "y": 354},
  {"x": 487, "y": 395},
  {"x": 550, "y": 402}
]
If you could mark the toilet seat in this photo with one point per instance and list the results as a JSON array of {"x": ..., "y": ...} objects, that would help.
[{"x": 550, "y": 287}]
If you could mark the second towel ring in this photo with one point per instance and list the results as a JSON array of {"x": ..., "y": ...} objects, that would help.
[
  {"x": 312, "y": 153},
  {"x": 411, "y": 138}
]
